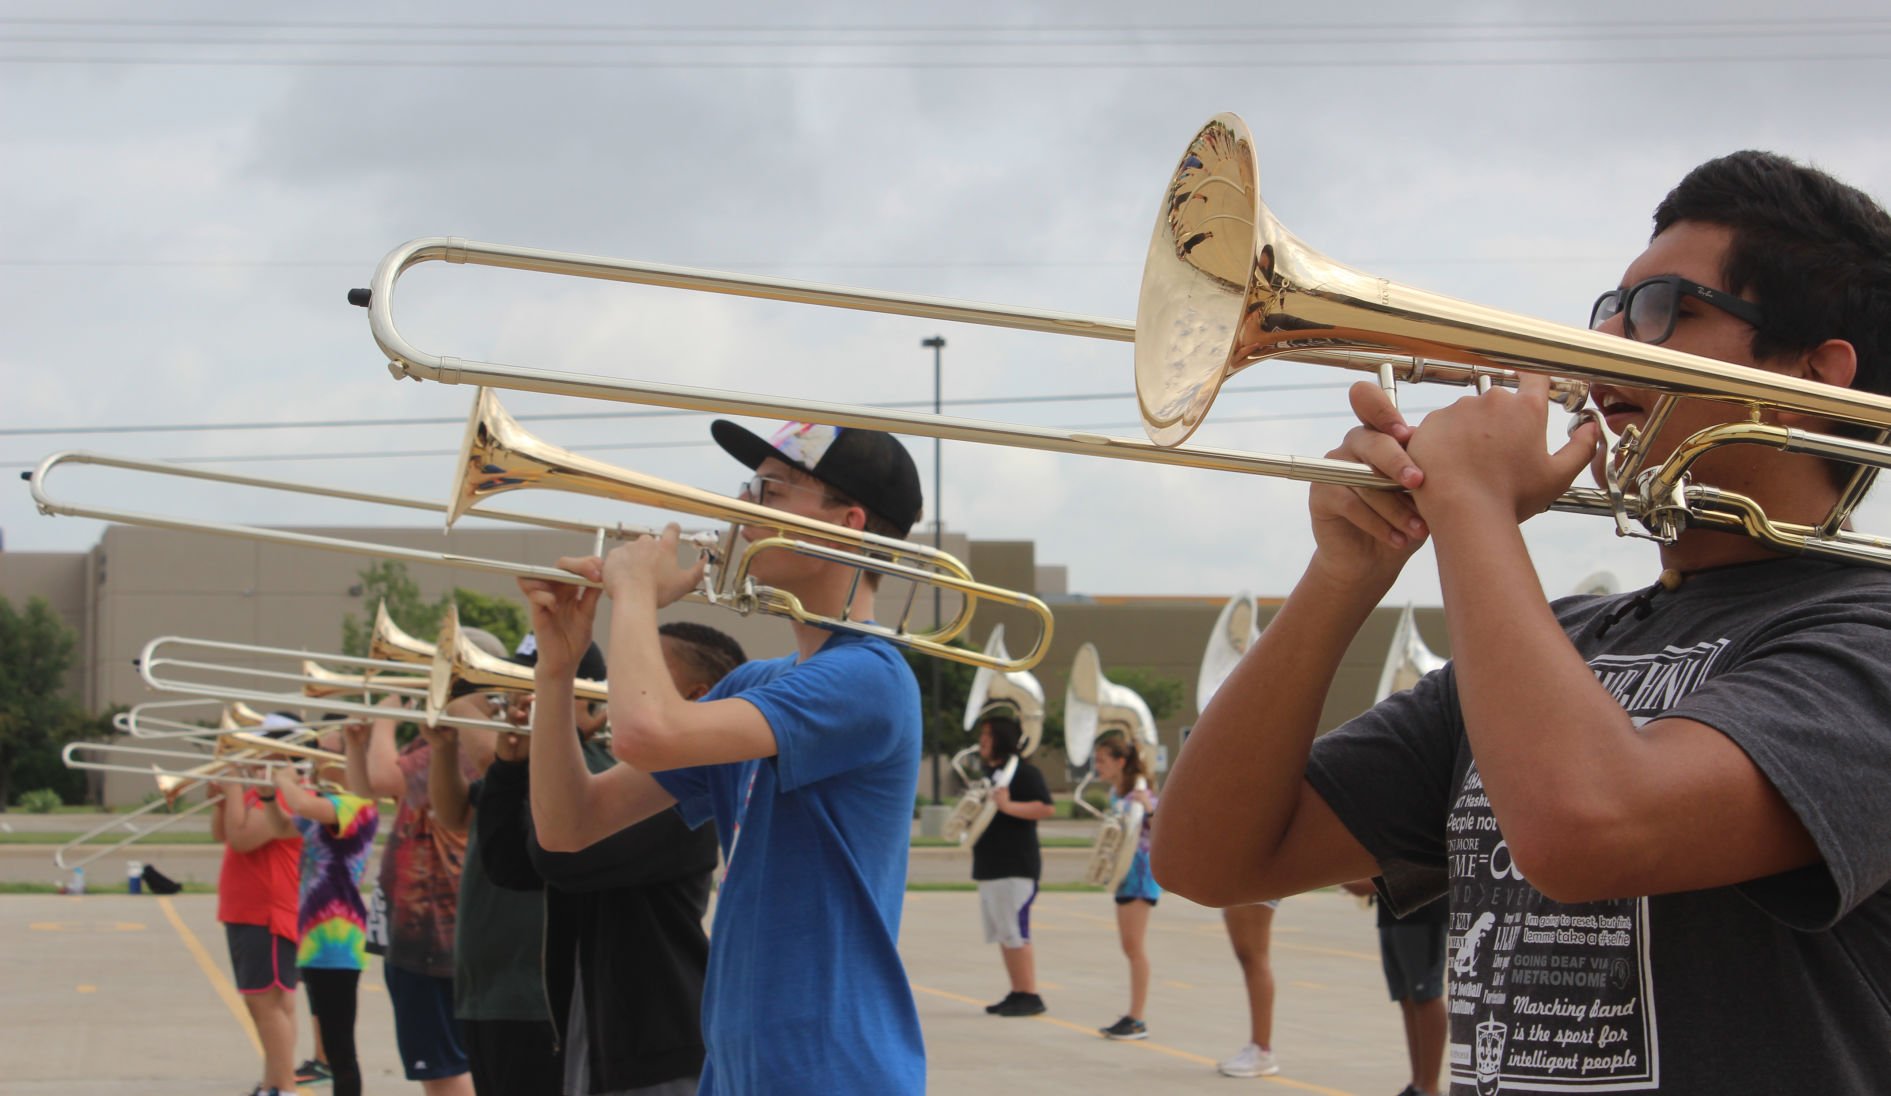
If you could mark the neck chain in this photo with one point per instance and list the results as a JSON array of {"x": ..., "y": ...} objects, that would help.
[{"x": 1643, "y": 603}]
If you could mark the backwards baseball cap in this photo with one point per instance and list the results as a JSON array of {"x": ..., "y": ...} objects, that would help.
[
  {"x": 869, "y": 467},
  {"x": 591, "y": 666}
]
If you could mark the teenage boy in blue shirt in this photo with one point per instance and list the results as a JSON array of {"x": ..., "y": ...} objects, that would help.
[{"x": 807, "y": 763}]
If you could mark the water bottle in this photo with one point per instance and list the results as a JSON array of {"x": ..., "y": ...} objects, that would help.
[
  {"x": 78, "y": 880},
  {"x": 134, "y": 877}
]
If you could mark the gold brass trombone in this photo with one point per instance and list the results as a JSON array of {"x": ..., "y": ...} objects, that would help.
[
  {"x": 1225, "y": 286},
  {"x": 500, "y": 455},
  {"x": 458, "y": 661}
]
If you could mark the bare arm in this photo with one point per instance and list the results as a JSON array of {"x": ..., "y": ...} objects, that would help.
[
  {"x": 572, "y": 807},
  {"x": 247, "y": 829},
  {"x": 1592, "y": 806},
  {"x": 446, "y": 784},
  {"x": 1239, "y": 822},
  {"x": 300, "y": 801}
]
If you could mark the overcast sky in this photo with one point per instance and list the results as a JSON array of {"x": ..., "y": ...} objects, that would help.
[{"x": 185, "y": 199}]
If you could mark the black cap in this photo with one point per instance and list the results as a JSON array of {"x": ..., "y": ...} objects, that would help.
[
  {"x": 591, "y": 667},
  {"x": 868, "y": 466}
]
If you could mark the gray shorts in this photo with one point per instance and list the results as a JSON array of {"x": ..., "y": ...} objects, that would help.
[
  {"x": 1005, "y": 907},
  {"x": 1414, "y": 959}
]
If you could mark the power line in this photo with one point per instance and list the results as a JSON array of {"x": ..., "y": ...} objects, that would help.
[
  {"x": 1113, "y": 64},
  {"x": 1271, "y": 27},
  {"x": 582, "y": 416}
]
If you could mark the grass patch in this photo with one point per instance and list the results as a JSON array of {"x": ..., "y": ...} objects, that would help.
[{"x": 53, "y": 888}]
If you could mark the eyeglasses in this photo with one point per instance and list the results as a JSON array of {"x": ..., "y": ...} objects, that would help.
[
  {"x": 768, "y": 490},
  {"x": 1648, "y": 308}
]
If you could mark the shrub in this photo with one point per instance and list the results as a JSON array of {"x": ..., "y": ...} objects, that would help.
[{"x": 39, "y": 801}]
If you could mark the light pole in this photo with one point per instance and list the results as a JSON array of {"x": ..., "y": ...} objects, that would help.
[{"x": 936, "y": 344}]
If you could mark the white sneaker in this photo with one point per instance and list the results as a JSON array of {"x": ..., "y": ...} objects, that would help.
[{"x": 1250, "y": 1061}]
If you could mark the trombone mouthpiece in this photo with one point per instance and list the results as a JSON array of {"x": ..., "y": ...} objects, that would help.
[{"x": 360, "y": 298}]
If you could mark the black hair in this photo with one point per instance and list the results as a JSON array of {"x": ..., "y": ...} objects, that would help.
[
  {"x": 708, "y": 653},
  {"x": 1007, "y": 735},
  {"x": 1814, "y": 252}
]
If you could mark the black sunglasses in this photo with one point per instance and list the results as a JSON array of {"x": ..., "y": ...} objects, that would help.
[{"x": 1648, "y": 308}]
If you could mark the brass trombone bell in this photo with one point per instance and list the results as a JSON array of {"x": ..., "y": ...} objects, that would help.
[{"x": 458, "y": 661}]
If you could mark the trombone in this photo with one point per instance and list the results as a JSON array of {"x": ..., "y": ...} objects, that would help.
[
  {"x": 500, "y": 455},
  {"x": 171, "y": 785},
  {"x": 1225, "y": 285},
  {"x": 47, "y": 504},
  {"x": 160, "y": 673}
]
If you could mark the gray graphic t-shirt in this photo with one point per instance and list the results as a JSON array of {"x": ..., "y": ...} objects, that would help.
[{"x": 1781, "y": 984}]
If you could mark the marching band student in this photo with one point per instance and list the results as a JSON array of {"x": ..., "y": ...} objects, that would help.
[
  {"x": 1649, "y": 811},
  {"x": 499, "y": 999},
  {"x": 1118, "y": 764},
  {"x": 808, "y": 764},
  {"x": 420, "y": 880},
  {"x": 625, "y": 952},
  {"x": 1250, "y": 929},
  {"x": 1007, "y": 862},
  {"x": 256, "y": 901},
  {"x": 337, "y": 837}
]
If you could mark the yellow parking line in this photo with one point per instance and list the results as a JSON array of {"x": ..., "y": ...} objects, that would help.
[
  {"x": 217, "y": 981},
  {"x": 1142, "y": 1044}
]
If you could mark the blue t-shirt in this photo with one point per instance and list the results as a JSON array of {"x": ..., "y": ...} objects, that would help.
[{"x": 805, "y": 988}]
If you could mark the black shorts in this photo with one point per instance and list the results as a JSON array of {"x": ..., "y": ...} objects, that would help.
[
  {"x": 1414, "y": 959},
  {"x": 260, "y": 960},
  {"x": 424, "y": 1027}
]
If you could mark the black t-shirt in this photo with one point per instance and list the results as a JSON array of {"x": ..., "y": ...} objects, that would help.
[
  {"x": 1781, "y": 984},
  {"x": 1008, "y": 848}
]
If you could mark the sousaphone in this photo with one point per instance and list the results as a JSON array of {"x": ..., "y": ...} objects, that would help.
[{"x": 1017, "y": 692}]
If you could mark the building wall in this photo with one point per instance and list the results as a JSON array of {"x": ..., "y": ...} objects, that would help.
[{"x": 143, "y": 583}]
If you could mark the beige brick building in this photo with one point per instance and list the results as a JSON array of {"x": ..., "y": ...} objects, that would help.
[{"x": 139, "y": 583}]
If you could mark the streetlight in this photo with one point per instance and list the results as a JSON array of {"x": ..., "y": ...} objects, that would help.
[{"x": 935, "y": 344}]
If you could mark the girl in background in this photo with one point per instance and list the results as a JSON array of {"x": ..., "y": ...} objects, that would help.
[{"x": 1121, "y": 766}]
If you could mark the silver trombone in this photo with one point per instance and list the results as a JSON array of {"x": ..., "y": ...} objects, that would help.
[
  {"x": 171, "y": 786},
  {"x": 158, "y": 673},
  {"x": 47, "y": 504},
  {"x": 1225, "y": 286}
]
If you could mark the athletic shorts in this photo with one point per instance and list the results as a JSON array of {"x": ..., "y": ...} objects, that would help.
[
  {"x": 1414, "y": 960},
  {"x": 1005, "y": 906},
  {"x": 424, "y": 1027},
  {"x": 260, "y": 960}
]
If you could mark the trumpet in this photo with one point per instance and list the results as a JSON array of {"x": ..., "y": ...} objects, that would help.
[
  {"x": 1224, "y": 286},
  {"x": 1017, "y": 691}
]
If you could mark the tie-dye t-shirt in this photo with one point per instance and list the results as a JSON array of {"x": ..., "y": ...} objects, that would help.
[{"x": 332, "y": 918}]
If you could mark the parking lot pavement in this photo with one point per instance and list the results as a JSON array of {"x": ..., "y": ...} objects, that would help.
[{"x": 115, "y": 995}]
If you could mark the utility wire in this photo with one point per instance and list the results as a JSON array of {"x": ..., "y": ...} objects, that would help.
[{"x": 1272, "y": 64}]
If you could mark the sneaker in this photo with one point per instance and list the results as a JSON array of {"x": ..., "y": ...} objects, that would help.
[
  {"x": 313, "y": 1072},
  {"x": 1126, "y": 1028},
  {"x": 1021, "y": 1004},
  {"x": 998, "y": 1008},
  {"x": 1252, "y": 1060}
]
